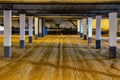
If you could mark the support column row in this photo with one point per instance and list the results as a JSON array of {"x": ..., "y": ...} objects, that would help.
[
  {"x": 36, "y": 27},
  {"x": 22, "y": 30},
  {"x": 98, "y": 32},
  {"x": 81, "y": 28},
  {"x": 112, "y": 34},
  {"x": 85, "y": 29},
  {"x": 78, "y": 26},
  {"x": 30, "y": 28},
  {"x": 8, "y": 29},
  {"x": 89, "y": 29},
  {"x": 7, "y": 33},
  {"x": 39, "y": 27}
]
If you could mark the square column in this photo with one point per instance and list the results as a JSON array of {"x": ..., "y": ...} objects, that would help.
[
  {"x": 78, "y": 26},
  {"x": 81, "y": 28},
  {"x": 7, "y": 33},
  {"x": 22, "y": 30},
  {"x": 43, "y": 27},
  {"x": 40, "y": 28},
  {"x": 85, "y": 29},
  {"x": 112, "y": 34},
  {"x": 98, "y": 32},
  {"x": 30, "y": 28},
  {"x": 36, "y": 27},
  {"x": 90, "y": 30}
]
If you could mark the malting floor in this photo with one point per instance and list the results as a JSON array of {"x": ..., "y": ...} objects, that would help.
[{"x": 59, "y": 57}]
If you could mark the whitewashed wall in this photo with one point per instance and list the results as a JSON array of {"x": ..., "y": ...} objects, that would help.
[{"x": 64, "y": 24}]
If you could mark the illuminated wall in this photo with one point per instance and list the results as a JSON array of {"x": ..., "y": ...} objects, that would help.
[
  {"x": 64, "y": 24},
  {"x": 50, "y": 24},
  {"x": 104, "y": 24},
  {"x": 67, "y": 24}
]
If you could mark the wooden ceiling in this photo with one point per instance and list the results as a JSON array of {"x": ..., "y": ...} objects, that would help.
[{"x": 55, "y": 8}]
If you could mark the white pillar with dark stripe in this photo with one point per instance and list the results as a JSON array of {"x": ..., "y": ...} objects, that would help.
[
  {"x": 112, "y": 34},
  {"x": 7, "y": 33},
  {"x": 81, "y": 28},
  {"x": 36, "y": 27},
  {"x": 98, "y": 32},
  {"x": 90, "y": 30},
  {"x": 30, "y": 28},
  {"x": 40, "y": 28},
  {"x": 22, "y": 30},
  {"x": 85, "y": 29}
]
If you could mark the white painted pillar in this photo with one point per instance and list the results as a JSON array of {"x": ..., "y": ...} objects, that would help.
[
  {"x": 7, "y": 33},
  {"x": 78, "y": 26},
  {"x": 30, "y": 28},
  {"x": 36, "y": 27},
  {"x": 89, "y": 29},
  {"x": 85, "y": 28},
  {"x": 112, "y": 34},
  {"x": 98, "y": 32},
  {"x": 22, "y": 30},
  {"x": 81, "y": 28},
  {"x": 40, "y": 28}
]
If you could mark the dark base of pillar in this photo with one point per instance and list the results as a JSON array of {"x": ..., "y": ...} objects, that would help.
[
  {"x": 7, "y": 51},
  {"x": 30, "y": 39},
  {"x": 40, "y": 35},
  {"x": 22, "y": 44},
  {"x": 85, "y": 37},
  {"x": 89, "y": 39},
  {"x": 81, "y": 35},
  {"x": 98, "y": 44},
  {"x": 43, "y": 35},
  {"x": 112, "y": 52},
  {"x": 36, "y": 36}
]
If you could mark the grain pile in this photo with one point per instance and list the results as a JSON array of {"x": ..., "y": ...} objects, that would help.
[{"x": 58, "y": 57}]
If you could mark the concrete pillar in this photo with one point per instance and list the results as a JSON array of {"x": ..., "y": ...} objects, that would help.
[
  {"x": 85, "y": 29},
  {"x": 98, "y": 32},
  {"x": 7, "y": 33},
  {"x": 36, "y": 27},
  {"x": 43, "y": 27},
  {"x": 81, "y": 28},
  {"x": 40, "y": 28},
  {"x": 78, "y": 26},
  {"x": 30, "y": 28},
  {"x": 112, "y": 34},
  {"x": 22, "y": 30},
  {"x": 89, "y": 29}
]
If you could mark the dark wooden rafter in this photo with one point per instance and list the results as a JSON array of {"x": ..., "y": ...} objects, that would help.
[
  {"x": 7, "y": 6},
  {"x": 73, "y": 23}
]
